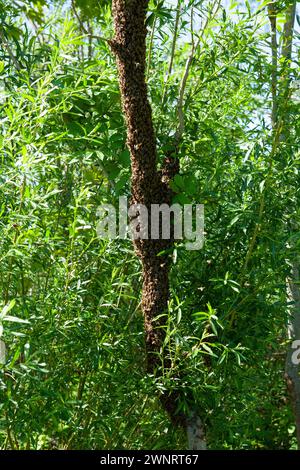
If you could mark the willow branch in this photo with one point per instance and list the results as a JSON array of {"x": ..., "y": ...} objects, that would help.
[
  {"x": 178, "y": 11},
  {"x": 83, "y": 28},
  {"x": 150, "y": 48},
  {"x": 180, "y": 105},
  {"x": 9, "y": 51},
  {"x": 272, "y": 13}
]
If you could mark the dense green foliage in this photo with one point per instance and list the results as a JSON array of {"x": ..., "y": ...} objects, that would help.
[{"x": 74, "y": 375}]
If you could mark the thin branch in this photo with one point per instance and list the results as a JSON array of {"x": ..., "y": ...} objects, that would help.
[
  {"x": 192, "y": 28},
  {"x": 150, "y": 47},
  {"x": 37, "y": 31},
  {"x": 90, "y": 48},
  {"x": 272, "y": 13},
  {"x": 178, "y": 11},
  {"x": 10, "y": 52},
  {"x": 100, "y": 38},
  {"x": 286, "y": 53},
  {"x": 82, "y": 27},
  {"x": 180, "y": 105}
]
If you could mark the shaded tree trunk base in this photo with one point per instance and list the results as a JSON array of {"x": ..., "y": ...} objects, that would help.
[
  {"x": 293, "y": 385},
  {"x": 195, "y": 433},
  {"x": 292, "y": 368}
]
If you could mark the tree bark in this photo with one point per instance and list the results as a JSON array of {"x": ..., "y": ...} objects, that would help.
[
  {"x": 280, "y": 116},
  {"x": 195, "y": 433},
  {"x": 129, "y": 46},
  {"x": 272, "y": 12},
  {"x": 292, "y": 368},
  {"x": 148, "y": 185}
]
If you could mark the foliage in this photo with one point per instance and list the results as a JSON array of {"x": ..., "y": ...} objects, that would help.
[{"x": 74, "y": 375}]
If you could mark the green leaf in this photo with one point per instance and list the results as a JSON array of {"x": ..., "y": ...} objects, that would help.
[
  {"x": 7, "y": 308},
  {"x": 15, "y": 319}
]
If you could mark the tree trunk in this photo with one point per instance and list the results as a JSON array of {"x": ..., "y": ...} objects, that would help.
[
  {"x": 280, "y": 117},
  {"x": 292, "y": 369},
  {"x": 195, "y": 433},
  {"x": 148, "y": 186},
  {"x": 129, "y": 46}
]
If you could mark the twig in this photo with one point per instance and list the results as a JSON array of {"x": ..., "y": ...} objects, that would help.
[
  {"x": 272, "y": 12},
  {"x": 78, "y": 18},
  {"x": 10, "y": 52},
  {"x": 90, "y": 49},
  {"x": 192, "y": 28},
  {"x": 150, "y": 48},
  {"x": 83, "y": 28},
  {"x": 277, "y": 124},
  {"x": 178, "y": 11},
  {"x": 180, "y": 128},
  {"x": 100, "y": 38}
]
